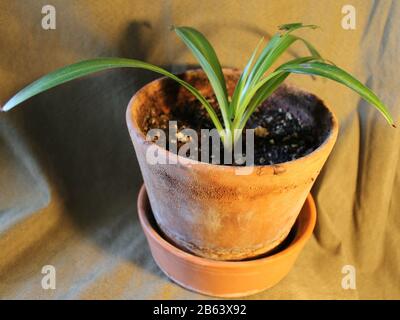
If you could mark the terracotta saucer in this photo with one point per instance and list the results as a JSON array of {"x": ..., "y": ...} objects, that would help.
[{"x": 226, "y": 278}]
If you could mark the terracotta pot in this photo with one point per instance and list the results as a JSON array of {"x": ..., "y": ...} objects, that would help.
[
  {"x": 210, "y": 210},
  {"x": 225, "y": 278}
]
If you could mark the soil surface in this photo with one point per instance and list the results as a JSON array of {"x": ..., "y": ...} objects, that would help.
[{"x": 281, "y": 134}]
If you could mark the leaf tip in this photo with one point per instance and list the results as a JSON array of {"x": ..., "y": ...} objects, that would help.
[
  {"x": 296, "y": 25},
  {"x": 172, "y": 27},
  {"x": 3, "y": 109},
  {"x": 288, "y": 26},
  {"x": 7, "y": 106}
]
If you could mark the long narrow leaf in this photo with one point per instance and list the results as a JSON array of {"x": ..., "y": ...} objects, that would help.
[
  {"x": 277, "y": 45},
  {"x": 87, "y": 67},
  {"x": 290, "y": 27},
  {"x": 261, "y": 58},
  {"x": 262, "y": 94},
  {"x": 202, "y": 44},
  {"x": 251, "y": 90},
  {"x": 278, "y": 49},
  {"x": 254, "y": 94},
  {"x": 263, "y": 81},
  {"x": 238, "y": 93},
  {"x": 313, "y": 51},
  {"x": 274, "y": 49},
  {"x": 335, "y": 73},
  {"x": 208, "y": 60}
]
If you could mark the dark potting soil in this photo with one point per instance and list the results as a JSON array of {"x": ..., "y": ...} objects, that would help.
[{"x": 281, "y": 133}]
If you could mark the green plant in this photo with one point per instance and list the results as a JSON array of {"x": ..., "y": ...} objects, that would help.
[{"x": 253, "y": 87}]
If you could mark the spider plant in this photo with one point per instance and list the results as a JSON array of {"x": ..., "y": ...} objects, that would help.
[{"x": 254, "y": 86}]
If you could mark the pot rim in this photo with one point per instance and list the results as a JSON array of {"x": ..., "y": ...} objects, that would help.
[
  {"x": 295, "y": 245},
  {"x": 134, "y": 128}
]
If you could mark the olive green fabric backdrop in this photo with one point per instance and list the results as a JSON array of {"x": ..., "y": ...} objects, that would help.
[{"x": 69, "y": 176}]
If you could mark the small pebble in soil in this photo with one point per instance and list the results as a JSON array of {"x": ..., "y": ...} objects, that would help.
[
  {"x": 182, "y": 137},
  {"x": 260, "y": 132}
]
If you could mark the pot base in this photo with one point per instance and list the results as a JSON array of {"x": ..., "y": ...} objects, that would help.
[{"x": 227, "y": 279}]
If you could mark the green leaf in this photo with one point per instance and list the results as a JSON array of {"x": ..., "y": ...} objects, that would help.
[
  {"x": 335, "y": 73},
  {"x": 261, "y": 59},
  {"x": 272, "y": 52},
  {"x": 268, "y": 57},
  {"x": 289, "y": 27},
  {"x": 201, "y": 43},
  {"x": 87, "y": 67},
  {"x": 206, "y": 56},
  {"x": 275, "y": 48},
  {"x": 314, "y": 52},
  {"x": 264, "y": 81},
  {"x": 262, "y": 94},
  {"x": 238, "y": 93},
  {"x": 274, "y": 81}
]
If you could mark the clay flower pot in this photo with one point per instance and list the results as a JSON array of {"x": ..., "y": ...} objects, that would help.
[
  {"x": 210, "y": 210},
  {"x": 226, "y": 278}
]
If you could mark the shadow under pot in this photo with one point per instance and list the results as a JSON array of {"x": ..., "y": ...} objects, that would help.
[{"x": 216, "y": 211}]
